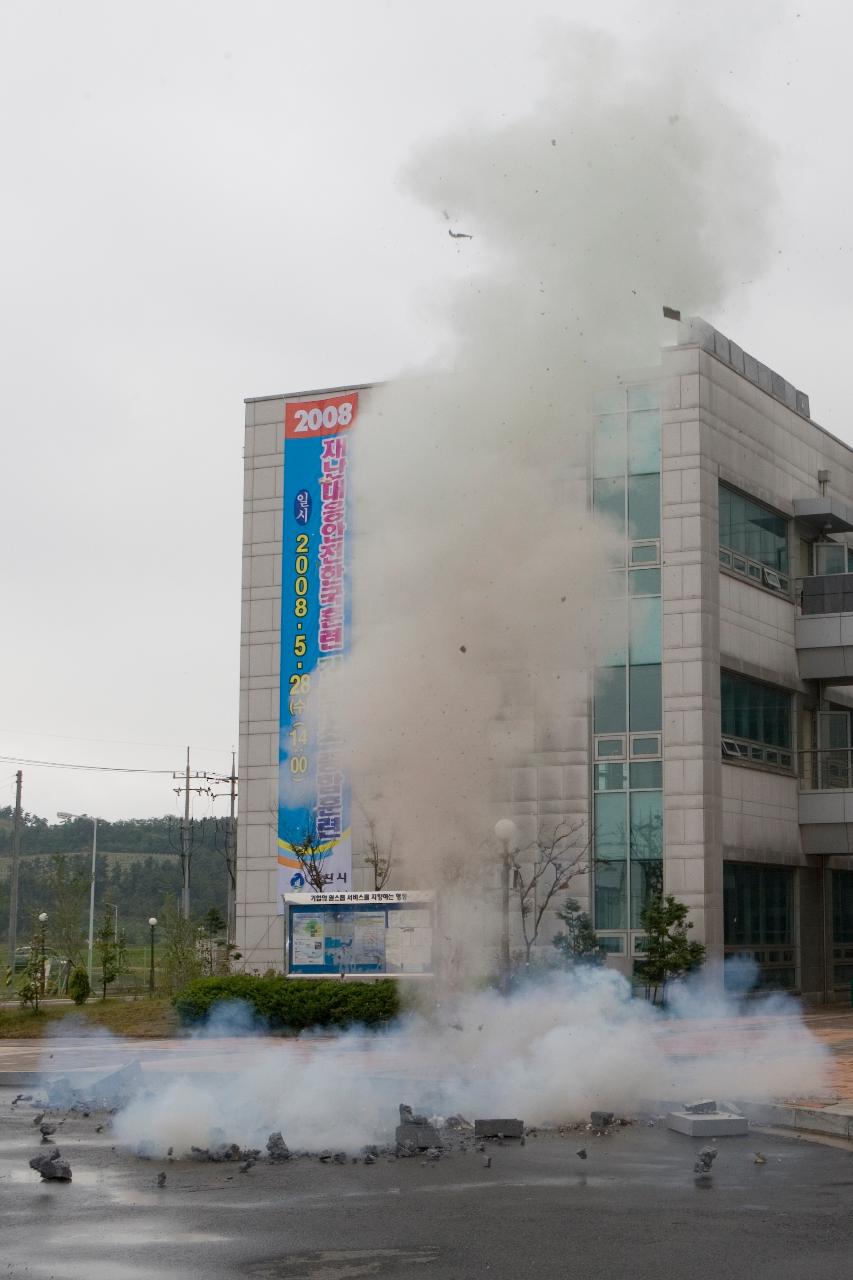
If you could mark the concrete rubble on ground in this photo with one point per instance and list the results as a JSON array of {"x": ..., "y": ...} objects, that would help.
[
  {"x": 277, "y": 1149},
  {"x": 706, "y": 1119},
  {"x": 704, "y": 1162},
  {"x": 51, "y": 1166},
  {"x": 498, "y": 1129},
  {"x": 82, "y": 1091},
  {"x": 414, "y": 1133}
]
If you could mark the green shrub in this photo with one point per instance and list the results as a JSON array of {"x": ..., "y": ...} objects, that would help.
[
  {"x": 292, "y": 1004},
  {"x": 78, "y": 986}
]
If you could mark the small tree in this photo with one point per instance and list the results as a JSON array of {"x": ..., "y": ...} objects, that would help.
[
  {"x": 307, "y": 849},
  {"x": 378, "y": 854},
  {"x": 78, "y": 986},
  {"x": 31, "y": 990},
  {"x": 668, "y": 951},
  {"x": 543, "y": 869},
  {"x": 181, "y": 960},
  {"x": 111, "y": 951},
  {"x": 577, "y": 943}
]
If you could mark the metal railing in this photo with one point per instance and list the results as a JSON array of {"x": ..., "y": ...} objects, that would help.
[{"x": 826, "y": 769}]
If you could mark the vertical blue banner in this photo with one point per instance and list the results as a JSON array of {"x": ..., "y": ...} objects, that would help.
[{"x": 313, "y": 789}]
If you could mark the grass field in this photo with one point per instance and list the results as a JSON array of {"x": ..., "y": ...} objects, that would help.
[{"x": 153, "y": 1018}]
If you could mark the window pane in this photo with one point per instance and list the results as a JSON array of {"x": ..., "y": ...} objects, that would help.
[
  {"x": 610, "y": 443},
  {"x": 644, "y": 396},
  {"x": 608, "y": 500},
  {"x": 645, "y": 699},
  {"x": 611, "y": 895},
  {"x": 645, "y": 554},
  {"x": 614, "y": 630},
  {"x": 648, "y": 773},
  {"x": 645, "y": 630},
  {"x": 644, "y": 582},
  {"x": 610, "y": 777},
  {"x": 646, "y": 885},
  {"x": 611, "y": 826},
  {"x": 753, "y": 530},
  {"x": 646, "y": 825},
  {"x": 645, "y": 747},
  {"x": 610, "y": 747},
  {"x": 644, "y": 507},
  {"x": 754, "y": 711},
  {"x": 610, "y": 700},
  {"x": 757, "y": 905},
  {"x": 644, "y": 442}
]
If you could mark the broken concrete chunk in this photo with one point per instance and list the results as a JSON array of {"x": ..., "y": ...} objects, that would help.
[
  {"x": 51, "y": 1166},
  {"x": 498, "y": 1128},
  {"x": 704, "y": 1108},
  {"x": 601, "y": 1119},
  {"x": 704, "y": 1160},
  {"x": 419, "y": 1136},
  {"x": 277, "y": 1149}
]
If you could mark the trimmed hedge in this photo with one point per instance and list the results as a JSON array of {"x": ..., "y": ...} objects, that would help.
[{"x": 291, "y": 1004}]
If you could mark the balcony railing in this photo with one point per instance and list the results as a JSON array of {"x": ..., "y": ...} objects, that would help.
[
  {"x": 825, "y": 593},
  {"x": 829, "y": 769}
]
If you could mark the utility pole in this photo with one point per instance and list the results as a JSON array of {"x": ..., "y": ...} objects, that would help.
[
  {"x": 231, "y": 855},
  {"x": 230, "y": 840},
  {"x": 13, "y": 876},
  {"x": 186, "y": 832}
]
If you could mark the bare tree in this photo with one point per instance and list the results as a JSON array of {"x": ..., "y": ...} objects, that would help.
[
  {"x": 543, "y": 869},
  {"x": 378, "y": 854},
  {"x": 307, "y": 849}
]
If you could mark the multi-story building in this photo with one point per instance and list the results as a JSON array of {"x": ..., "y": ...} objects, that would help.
[{"x": 714, "y": 760}]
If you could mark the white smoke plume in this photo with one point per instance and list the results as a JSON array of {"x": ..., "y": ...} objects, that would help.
[
  {"x": 548, "y": 1056},
  {"x": 478, "y": 586},
  {"x": 478, "y": 572}
]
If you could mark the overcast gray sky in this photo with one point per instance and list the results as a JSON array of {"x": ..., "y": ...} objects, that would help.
[{"x": 203, "y": 201}]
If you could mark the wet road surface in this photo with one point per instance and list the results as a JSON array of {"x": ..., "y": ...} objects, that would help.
[{"x": 632, "y": 1209}]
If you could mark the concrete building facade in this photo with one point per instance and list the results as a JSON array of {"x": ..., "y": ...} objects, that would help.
[{"x": 712, "y": 756}]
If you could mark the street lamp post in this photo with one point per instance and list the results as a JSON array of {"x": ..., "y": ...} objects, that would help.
[
  {"x": 92, "y": 886},
  {"x": 152, "y": 924},
  {"x": 506, "y": 832},
  {"x": 42, "y": 950}
]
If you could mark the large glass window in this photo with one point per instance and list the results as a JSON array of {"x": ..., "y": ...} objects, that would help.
[
  {"x": 842, "y": 927},
  {"x": 755, "y": 712},
  {"x": 758, "y": 922},
  {"x": 752, "y": 531},
  {"x": 628, "y": 802}
]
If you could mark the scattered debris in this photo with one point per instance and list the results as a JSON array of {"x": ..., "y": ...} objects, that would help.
[
  {"x": 704, "y": 1161},
  {"x": 325, "y": 1156},
  {"x": 459, "y": 235},
  {"x": 38, "y": 1119},
  {"x": 498, "y": 1128},
  {"x": 277, "y": 1149},
  {"x": 581, "y": 1152},
  {"x": 758, "y": 1158},
  {"x": 369, "y": 1159},
  {"x": 46, "y": 1130},
  {"x": 247, "y": 1165},
  {"x": 51, "y": 1166},
  {"x": 414, "y": 1132},
  {"x": 340, "y": 1157},
  {"x": 601, "y": 1119},
  {"x": 161, "y": 1179},
  {"x": 487, "y": 1162}
]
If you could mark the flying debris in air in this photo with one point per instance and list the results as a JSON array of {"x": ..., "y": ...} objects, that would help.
[
  {"x": 670, "y": 313},
  {"x": 459, "y": 235}
]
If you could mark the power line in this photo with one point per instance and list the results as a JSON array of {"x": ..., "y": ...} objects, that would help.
[{"x": 86, "y": 768}]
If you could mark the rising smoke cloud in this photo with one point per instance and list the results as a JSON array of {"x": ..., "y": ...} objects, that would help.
[
  {"x": 478, "y": 573},
  {"x": 478, "y": 580}
]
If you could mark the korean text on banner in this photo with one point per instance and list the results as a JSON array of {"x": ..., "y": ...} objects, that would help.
[{"x": 314, "y": 793}]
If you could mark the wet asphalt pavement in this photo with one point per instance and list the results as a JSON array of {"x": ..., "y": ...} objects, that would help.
[{"x": 632, "y": 1209}]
